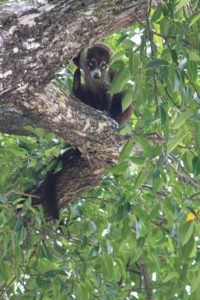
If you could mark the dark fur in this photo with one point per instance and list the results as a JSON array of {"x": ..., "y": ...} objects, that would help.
[
  {"x": 95, "y": 91},
  {"x": 50, "y": 182}
]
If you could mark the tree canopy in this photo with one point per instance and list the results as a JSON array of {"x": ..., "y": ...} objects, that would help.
[{"x": 137, "y": 234}]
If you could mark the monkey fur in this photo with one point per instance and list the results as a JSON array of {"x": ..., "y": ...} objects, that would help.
[{"x": 93, "y": 63}]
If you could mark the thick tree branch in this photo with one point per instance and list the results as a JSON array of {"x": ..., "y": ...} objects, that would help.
[
  {"x": 86, "y": 129},
  {"x": 38, "y": 38}
]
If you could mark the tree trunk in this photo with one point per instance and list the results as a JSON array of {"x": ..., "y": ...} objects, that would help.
[{"x": 36, "y": 39}]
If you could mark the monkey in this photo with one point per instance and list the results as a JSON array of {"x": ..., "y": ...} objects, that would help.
[{"x": 94, "y": 64}]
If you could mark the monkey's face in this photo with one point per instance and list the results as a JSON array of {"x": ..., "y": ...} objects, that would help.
[{"x": 97, "y": 62}]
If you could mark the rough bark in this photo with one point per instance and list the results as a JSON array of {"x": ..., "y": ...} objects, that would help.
[{"x": 36, "y": 38}]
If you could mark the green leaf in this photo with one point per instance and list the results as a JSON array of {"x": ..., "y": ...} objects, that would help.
[
  {"x": 171, "y": 145},
  {"x": 44, "y": 265},
  {"x": 186, "y": 231},
  {"x": 180, "y": 4},
  {"x": 196, "y": 165},
  {"x": 121, "y": 268},
  {"x": 156, "y": 63},
  {"x": 4, "y": 271},
  {"x": 137, "y": 160},
  {"x": 134, "y": 63},
  {"x": 127, "y": 44},
  {"x": 19, "y": 223},
  {"x": 126, "y": 150},
  {"x": 195, "y": 19},
  {"x": 157, "y": 14},
  {"x": 107, "y": 267},
  {"x": 181, "y": 119},
  {"x": 120, "y": 169},
  {"x": 170, "y": 276},
  {"x": 196, "y": 117},
  {"x": 192, "y": 70},
  {"x": 174, "y": 55},
  {"x": 127, "y": 99},
  {"x": 141, "y": 178},
  {"x": 140, "y": 229},
  {"x": 93, "y": 227},
  {"x": 163, "y": 115},
  {"x": 187, "y": 249},
  {"x": 117, "y": 56},
  {"x": 145, "y": 144},
  {"x": 83, "y": 292},
  {"x": 194, "y": 56},
  {"x": 187, "y": 160},
  {"x": 120, "y": 80},
  {"x": 195, "y": 282}
]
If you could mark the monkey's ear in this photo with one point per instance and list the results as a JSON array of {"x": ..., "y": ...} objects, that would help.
[{"x": 76, "y": 60}]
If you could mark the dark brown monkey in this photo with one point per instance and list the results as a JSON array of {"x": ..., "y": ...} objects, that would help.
[{"x": 93, "y": 62}]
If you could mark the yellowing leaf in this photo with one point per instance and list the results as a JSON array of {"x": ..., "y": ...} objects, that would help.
[{"x": 193, "y": 215}]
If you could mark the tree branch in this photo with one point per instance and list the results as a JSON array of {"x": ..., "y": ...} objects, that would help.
[{"x": 147, "y": 281}]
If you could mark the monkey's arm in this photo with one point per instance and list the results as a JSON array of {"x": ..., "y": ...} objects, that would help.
[{"x": 79, "y": 90}]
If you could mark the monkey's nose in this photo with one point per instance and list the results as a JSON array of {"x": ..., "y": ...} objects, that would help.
[{"x": 97, "y": 75}]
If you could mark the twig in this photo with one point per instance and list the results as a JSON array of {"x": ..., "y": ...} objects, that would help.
[
  {"x": 170, "y": 97},
  {"x": 10, "y": 193},
  {"x": 147, "y": 281}
]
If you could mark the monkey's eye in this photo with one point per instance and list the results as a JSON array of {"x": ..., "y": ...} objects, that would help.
[
  {"x": 103, "y": 66},
  {"x": 91, "y": 62}
]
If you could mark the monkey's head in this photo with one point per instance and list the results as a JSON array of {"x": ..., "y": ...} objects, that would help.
[{"x": 94, "y": 60}]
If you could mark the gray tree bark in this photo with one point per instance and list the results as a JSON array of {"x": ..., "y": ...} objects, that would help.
[{"x": 36, "y": 39}]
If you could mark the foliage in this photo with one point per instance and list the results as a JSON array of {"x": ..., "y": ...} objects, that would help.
[{"x": 136, "y": 236}]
